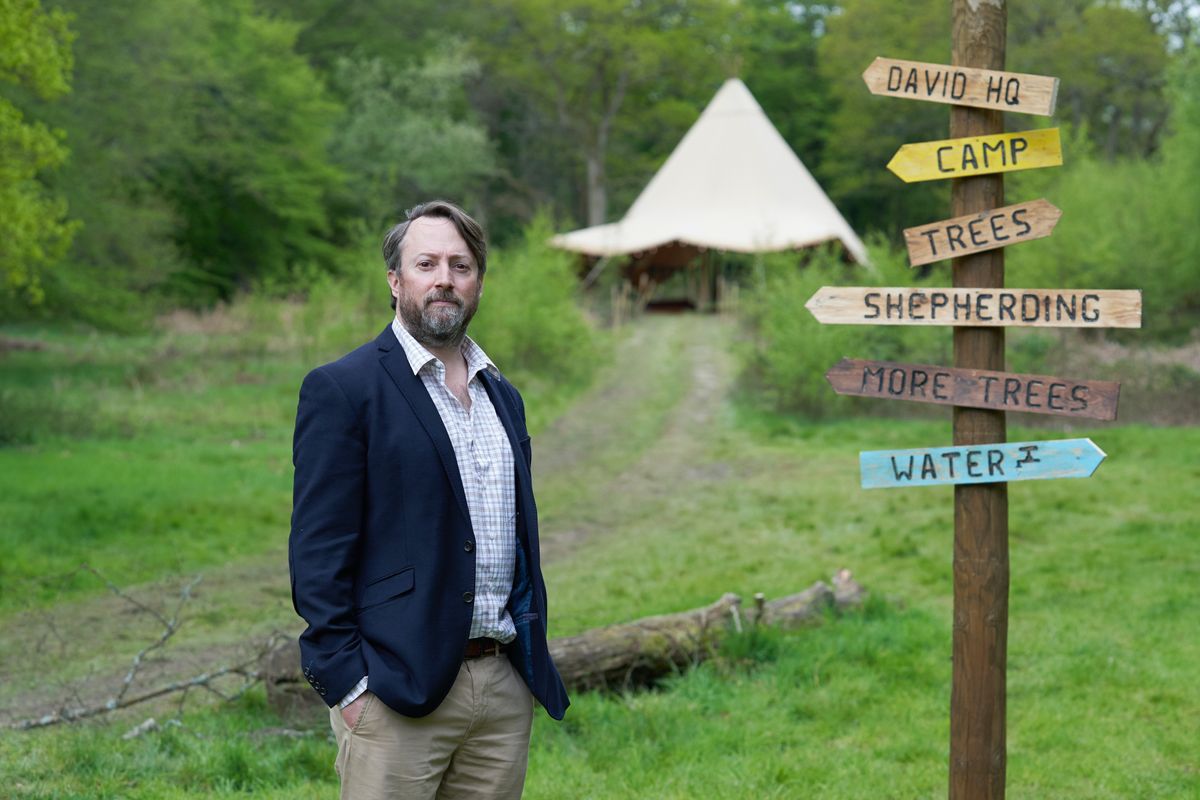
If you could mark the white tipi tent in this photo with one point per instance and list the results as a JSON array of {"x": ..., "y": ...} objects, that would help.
[{"x": 732, "y": 183}]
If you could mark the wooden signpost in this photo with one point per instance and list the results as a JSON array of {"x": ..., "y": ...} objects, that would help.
[
  {"x": 977, "y": 155},
  {"x": 991, "y": 307},
  {"x": 987, "y": 463},
  {"x": 975, "y": 233},
  {"x": 981, "y": 88},
  {"x": 977, "y": 388}
]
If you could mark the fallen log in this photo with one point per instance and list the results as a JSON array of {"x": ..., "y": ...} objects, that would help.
[{"x": 618, "y": 656}]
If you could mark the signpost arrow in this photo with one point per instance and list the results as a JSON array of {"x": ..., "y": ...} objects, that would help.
[
  {"x": 990, "y": 307},
  {"x": 984, "y": 463},
  {"x": 974, "y": 233},
  {"x": 977, "y": 388},
  {"x": 977, "y": 155},
  {"x": 962, "y": 86}
]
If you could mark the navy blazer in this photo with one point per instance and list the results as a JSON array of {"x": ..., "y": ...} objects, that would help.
[{"x": 382, "y": 553}]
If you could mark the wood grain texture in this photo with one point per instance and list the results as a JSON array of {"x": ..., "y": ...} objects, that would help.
[
  {"x": 977, "y": 155},
  {"x": 982, "y": 307},
  {"x": 963, "y": 86},
  {"x": 978, "y": 695},
  {"x": 988, "y": 463},
  {"x": 978, "y": 388},
  {"x": 976, "y": 233}
]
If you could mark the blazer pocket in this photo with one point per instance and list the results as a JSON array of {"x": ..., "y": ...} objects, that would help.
[{"x": 387, "y": 588}]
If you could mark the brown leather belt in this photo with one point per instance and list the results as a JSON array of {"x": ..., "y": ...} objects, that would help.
[{"x": 477, "y": 648}]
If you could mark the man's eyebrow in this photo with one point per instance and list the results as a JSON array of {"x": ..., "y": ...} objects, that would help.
[{"x": 432, "y": 253}]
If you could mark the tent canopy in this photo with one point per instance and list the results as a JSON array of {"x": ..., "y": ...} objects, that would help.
[{"x": 732, "y": 183}]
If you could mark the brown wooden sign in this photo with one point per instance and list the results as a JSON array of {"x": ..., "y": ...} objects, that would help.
[
  {"x": 995, "y": 307},
  {"x": 977, "y": 388},
  {"x": 975, "y": 233},
  {"x": 962, "y": 86}
]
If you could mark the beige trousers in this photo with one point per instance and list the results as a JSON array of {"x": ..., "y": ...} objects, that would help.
[{"x": 474, "y": 745}]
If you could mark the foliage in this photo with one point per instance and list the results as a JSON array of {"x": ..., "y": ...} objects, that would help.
[
  {"x": 409, "y": 134},
  {"x": 528, "y": 320},
  {"x": 788, "y": 351},
  {"x": 1126, "y": 225},
  {"x": 35, "y": 53},
  {"x": 593, "y": 73}
]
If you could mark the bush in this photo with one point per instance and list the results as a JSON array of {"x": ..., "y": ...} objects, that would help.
[
  {"x": 529, "y": 321},
  {"x": 788, "y": 353}
]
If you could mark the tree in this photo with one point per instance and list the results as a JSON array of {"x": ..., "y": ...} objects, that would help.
[
  {"x": 409, "y": 133},
  {"x": 590, "y": 67},
  {"x": 35, "y": 53},
  {"x": 199, "y": 160}
]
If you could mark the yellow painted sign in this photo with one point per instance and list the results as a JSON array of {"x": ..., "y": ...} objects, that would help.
[{"x": 977, "y": 155}]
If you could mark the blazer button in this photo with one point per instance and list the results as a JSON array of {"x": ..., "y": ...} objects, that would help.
[
  {"x": 468, "y": 545},
  {"x": 468, "y": 597}
]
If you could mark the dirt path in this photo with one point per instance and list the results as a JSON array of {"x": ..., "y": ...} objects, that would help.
[{"x": 641, "y": 430}]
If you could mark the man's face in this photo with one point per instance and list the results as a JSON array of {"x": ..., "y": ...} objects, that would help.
[{"x": 438, "y": 285}]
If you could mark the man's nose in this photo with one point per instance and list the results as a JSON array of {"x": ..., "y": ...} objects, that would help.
[{"x": 442, "y": 275}]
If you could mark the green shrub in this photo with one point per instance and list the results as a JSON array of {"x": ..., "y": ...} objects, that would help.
[{"x": 788, "y": 352}]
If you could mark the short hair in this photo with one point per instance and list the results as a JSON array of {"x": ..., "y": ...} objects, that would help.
[{"x": 468, "y": 229}]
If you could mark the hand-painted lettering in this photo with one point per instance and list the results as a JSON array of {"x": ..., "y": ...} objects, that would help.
[
  {"x": 1080, "y": 395},
  {"x": 901, "y": 474},
  {"x": 1028, "y": 458},
  {"x": 973, "y": 464},
  {"x": 1018, "y": 216},
  {"x": 942, "y": 167},
  {"x": 1008, "y": 302},
  {"x": 915, "y": 301},
  {"x": 1032, "y": 393},
  {"x": 939, "y": 300},
  {"x": 895, "y": 76},
  {"x": 988, "y": 380},
  {"x": 1019, "y": 145},
  {"x": 1026, "y": 314},
  {"x": 919, "y": 378},
  {"x": 998, "y": 148},
  {"x": 870, "y": 372},
  {"x": 869, "y": 300},
  {"x": 996, "y": 235},
  {"x": 962, "y": 303},
  {"x": 1089, "y": 313},
  {"x": 1054, "y": 398},
  {"x": 950, "y": 455},
  {"x": 976, "y": 238},
  {"x": 897, "y": 306},
  {"x": 939, "y": 385},
  {"x": 995, "y": 459},
  {"x": 982, "y": 306},
  {"x": 931, "y": 234},
  {"x": 959, "y": 87},
  {"x": 969, "y": 161},
  {"x": 1012, "y": 92},
  {"x": 928, "y": 470},
  {"x": 1012, "y": 387},
  {"x": 896, "y": 387},
  {"x": 954, "y": 234}
]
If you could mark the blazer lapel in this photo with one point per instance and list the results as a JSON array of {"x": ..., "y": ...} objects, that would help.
[
  {"x": 395, "y": 363},
  {"x": 504, "y": 411}
]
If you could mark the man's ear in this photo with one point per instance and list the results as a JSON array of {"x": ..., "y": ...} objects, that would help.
[{"x": 393, "y": 279}]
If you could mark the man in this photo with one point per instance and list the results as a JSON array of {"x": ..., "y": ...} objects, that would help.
[{"x": 414, "y": 550}]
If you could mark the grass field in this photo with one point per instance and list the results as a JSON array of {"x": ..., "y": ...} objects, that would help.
[{"x": 657, "y": 493}]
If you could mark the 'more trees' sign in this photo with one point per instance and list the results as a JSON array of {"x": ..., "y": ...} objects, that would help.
[
  {"x": 977, "y": 155},
  {"x": 977, "y": 388},
  {"x": 984, "y": 463},
  {"x": 963, "y": 86},
  {"x": 975, "y": 233},
  {"x": 1047, "y": 308}
]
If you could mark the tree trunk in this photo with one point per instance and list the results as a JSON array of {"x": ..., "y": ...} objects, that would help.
[{"x": 617, "y": 656}]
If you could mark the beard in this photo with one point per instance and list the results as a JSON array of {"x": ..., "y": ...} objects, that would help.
[{"x": 437, "y": 326}]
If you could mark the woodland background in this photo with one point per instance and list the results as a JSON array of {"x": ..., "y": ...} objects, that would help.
[{"x": 192, "y": 194}]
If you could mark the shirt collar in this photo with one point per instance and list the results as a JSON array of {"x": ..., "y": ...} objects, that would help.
[{"x": 419, "y": 357}]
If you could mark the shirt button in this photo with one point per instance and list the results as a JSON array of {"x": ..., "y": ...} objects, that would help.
[
  {"x": 468, "y": 545},
  {"x": 468, "y": 597}
]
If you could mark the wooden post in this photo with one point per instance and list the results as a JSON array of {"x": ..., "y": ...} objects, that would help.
[{"x": 977, "y": 701}]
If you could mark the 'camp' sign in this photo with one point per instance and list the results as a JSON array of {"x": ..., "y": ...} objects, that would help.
[
  {"x": 963, "y": 86},
  {"x": 977, "y": 388},
  {"x": 983, "y": 463},
  {"x": 975, "y": 233},
  {"x": 1046, "y": 308},
  {"x": 977, "y": 155}
]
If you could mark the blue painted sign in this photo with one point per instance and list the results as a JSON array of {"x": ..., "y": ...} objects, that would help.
[{"x": 983, "y": 463}]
